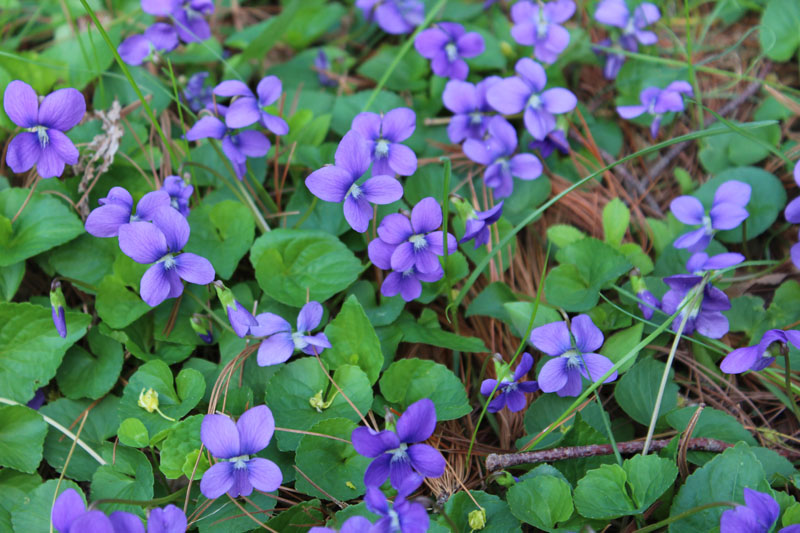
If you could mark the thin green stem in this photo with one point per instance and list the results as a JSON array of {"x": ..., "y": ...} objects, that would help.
[
  {"x": 681, "y": 516},
  {"x": 307, "y": 213},
  {"x": 210, "y": 312},
  {"x": 787, "y": 369},
  {"x": 698, "y": 110},
  {"x": 180, "y": 108},
  {"x": 260, "y": 222},
  {"x": 448, "y": 170},
  {"x": 155, "y": 502},
  {"x": 607, "y": 424}
]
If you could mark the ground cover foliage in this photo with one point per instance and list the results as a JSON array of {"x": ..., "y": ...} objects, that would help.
[{"x": 399, "y": 266}]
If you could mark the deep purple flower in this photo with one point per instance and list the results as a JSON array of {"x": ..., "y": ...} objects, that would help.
[
  {"x": 57, "y": 305},
  {"x": 179, "y": 193},
  {"x": 233, "y": 443},
  {"x": 727, "y": 212},
  {"x": 757, "y": 515},
  {"x": 402, "y": 516},
  {"x": 383, "y": 135},
  {"x": 323, "y": 65},
  {"x": 170, "y": 519},
  {"x": 280, "y": 343},
  {"x": 758, "y": 357},
  {"x": 656, "y": 102},
  {"x": 116, "y": 211},
  {"x": 236, "y": 146},
  {"x": 616, "y": 13},
  {"x": 416, "y": 241},
  {"x": 44, "y": 143},
  {"x": 354, "y": 524},
  {"x": 572, "y": 359},
  {"x": 496, "y": 153},
  {"x": 539, "y": 25},
  {"x": 705, "y": 314},
  {"x": 511, "y": 390},
  {"x": 159, "y": 37},
  {"x": 396, "y": 454},
  {"x": 525, "y": 91},
  {"x": 477, "y": 225},
  {"x": 792, "y": 214},
  {"x": 447, "y": 45},
  {"x": 160, "y": 242},
  {"x": 69, "y": 515},
  {"x": 700, "y": 262},
  {"x": 555, "y": 140},
  {"x": 38, "y": 399},
  {"x": 393, "y": 16},
  {"x": 338, "y": 182},
  {"x": 648, "y": 303},
  {"x": 189, "y": 17},
  {"x": 248, "y": 108},
  {"x": 196, "y": 94},
  {"x": 408, "y": 283},
  {"x": 468, "y": 102},
  {"x": 240, "y": 318}
]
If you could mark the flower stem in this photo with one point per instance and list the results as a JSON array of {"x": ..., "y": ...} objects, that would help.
[
  {"x": 690, "y": 512},
  {"x": 788, "y": 377},
  {"x": 27, "y": 199}
]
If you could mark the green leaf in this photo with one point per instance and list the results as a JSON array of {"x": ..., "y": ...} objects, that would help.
[
  {"x": 119, "y": 304},
  {"x": 291, "y": 264},
  {"x": 428, "y": 331},
  {"x": 541, "y": 413},
  {"x": 767, "y": 200},
  {"x": 711, "y": 423},
  {"x": 498, "y": 517},
  {"x": 22, "y": 433},
  {"x": 15, "y": 487},
  {"x": 520, "y": 313},
  {"x": 378, "y": 315},
  {"x": 222, "y": 233},
  {"x": 490, "y": 302},
  {"x": 10, "y": 279},
  {"x": 297, "y": 518},
  {"x": 181, "y": 441},
  {"x": 333, "y": 465},
  {"x": 410, "y": 74},
  {"x": 636, "y": 390},
  {"x": 353, "y": 341},
  {"x": 33, "y": 513},
  {"x": 44, "y": 223},
  {"x": 70, "y": 259},
  {"x": 778, "y": 33},
  {"x": 157, "y": 375},
  {"x": 721, "y": 479},
  {"x": 649, "y": 476},
  {"x": 133, "y": 433},
  {"x": 616, "y": 218},
  {"x": 620, "y": 343},
  {"x": 83, "y": 375},
  {"x": 563, "y": 235},
  {"x": 409, "y": 380},
  {"x": 601, "y": 493},
  {"x": 30, "y": 347},
  {"x": 542, "y": 501},
  {"x": 289, "y": 392},
  {"x": 128, "y": 477}
]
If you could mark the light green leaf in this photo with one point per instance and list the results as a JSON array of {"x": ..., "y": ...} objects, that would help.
[
  {"x": 616, "y": 218},
  {"x": 409, "y": 380},
  {"x": 222, "y": 233},
  {"x": 542, "y": 501},
  {"x": 601, "y": 493},
  {"x": 353, "y": 341},
  {"x": 636, "y": 390},
  {"x": 22, "y": 433}
]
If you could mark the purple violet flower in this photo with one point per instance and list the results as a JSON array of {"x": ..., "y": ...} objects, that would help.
[
  {"x": 759, "y": 356},
  {"x": 240, "y": 318},
  {"x": 539, "y": 25},
  {"x": 43, "y": 143},
  {"x": 792, "y": 214},
  {"x": 354, "y": 524},
  {"x": 757, "y": 515},
  {"x": 468, "y": 102},
  {"x": 179, "y": 193},
  {"x": 656, "y": 102},
  {"x": 323, "y": 65},
  {"x": 393, "y": 16},
  {"x": 555, "y": 140},
  {"x": 233, "y": 443},
  {"x": 383, "y": 135},
  {"x": 189, "y": 16},
  {"x": 727, "y": 212},
  {"x": 248, "y": 108},
  {"x": 447, "y": 45},
  {"x": 338, "y": 182},
  {"x": 511, "y": 390},
  {"x": 196, "y": 94},
  {"x": 116, "y": 211},
  {"x": 159, "y": 37},
  {"x": 616, "y": 13},
  {"x": 525, "y": 91},
  {"x": 402, "y": 516},
  {"x": 408, "y": 282},
  {"x": 170, "y": 519},
  {"x": 69, "y": 515},
  {"x": 648, "y": 303},
  {"x": 416, "y": 241},
  {"x": 201, "y": 326},
  {"x": 38, "y": 399},
  {"x": 160, "y": 242},
  {"x": 237, "y": 147},
  {"x": 572, "y": 360},
  {"x": 705, "y": 315},
  {"x": 280, "y": 343},
  {"x": 477, "y": 225},
  {"x": 57, "y": 305},
  {"x": 396, "y": 454},
  {"x": 496, "y": 154}
]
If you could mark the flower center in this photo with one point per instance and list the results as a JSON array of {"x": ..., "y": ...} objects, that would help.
[
  {"x": 169, "y": 261},
  {"x": 535, "y": 101},
  {"x": 381, "y": 148},
  {"x": 354, "y": 191},
  {"x": 298, "y": 340},
  {"x": 452, "y": 52},
  {"x": 573, "y": 358},
  {"x": 630, "y": 27},
  {"x": 174, "y": 203},
  {"x": 41, "y": 134},
  {"x": 419, "y": 242},
  {"x": 408, "y": 273},
  {"x": 240, "y": 461},
  {"x": 395, "y": 521},
  {"x": 706, "y": 222},
  {"x": 399, "y": 453},
  {"x": 476, "y": 118}
]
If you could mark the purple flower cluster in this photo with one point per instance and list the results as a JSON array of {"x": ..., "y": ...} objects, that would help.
[
  {"x": 511, "y": 389},
  {"x": 402, "y": 516},
  {"x": 411, "y": 248},
  {"x": 393, "y": 16},
  {"x": 280, "y": 343},
  {"x": 43, "y": 143},
  {"x": 759, "y": 357},
  {"x": 196, "y": 94},
  {"x": 246, "y": 109},
  {"x": 727, "y": 212},
  {"x": 792, "y": 214},
  {"x": 477, "y": 225},
  {"x": 69, "y": 515},
  {"x": 572, "y": 348},
  {"x": 472, "y": 110},
  {"x": 539, "y": 25},
  {"x": 656, "y": 102},
  {"x": 188, "y": 23},
  {"x": 447, "y": 45},
  {"x": 632, "y": 32},
  {"x": 757, "y": 515}
]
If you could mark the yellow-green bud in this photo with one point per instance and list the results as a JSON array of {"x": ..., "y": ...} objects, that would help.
[
  {"x": 148, "y": 400},
  {"x": 477, "y": 519},
  {"x": 506, "y": 49}
]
